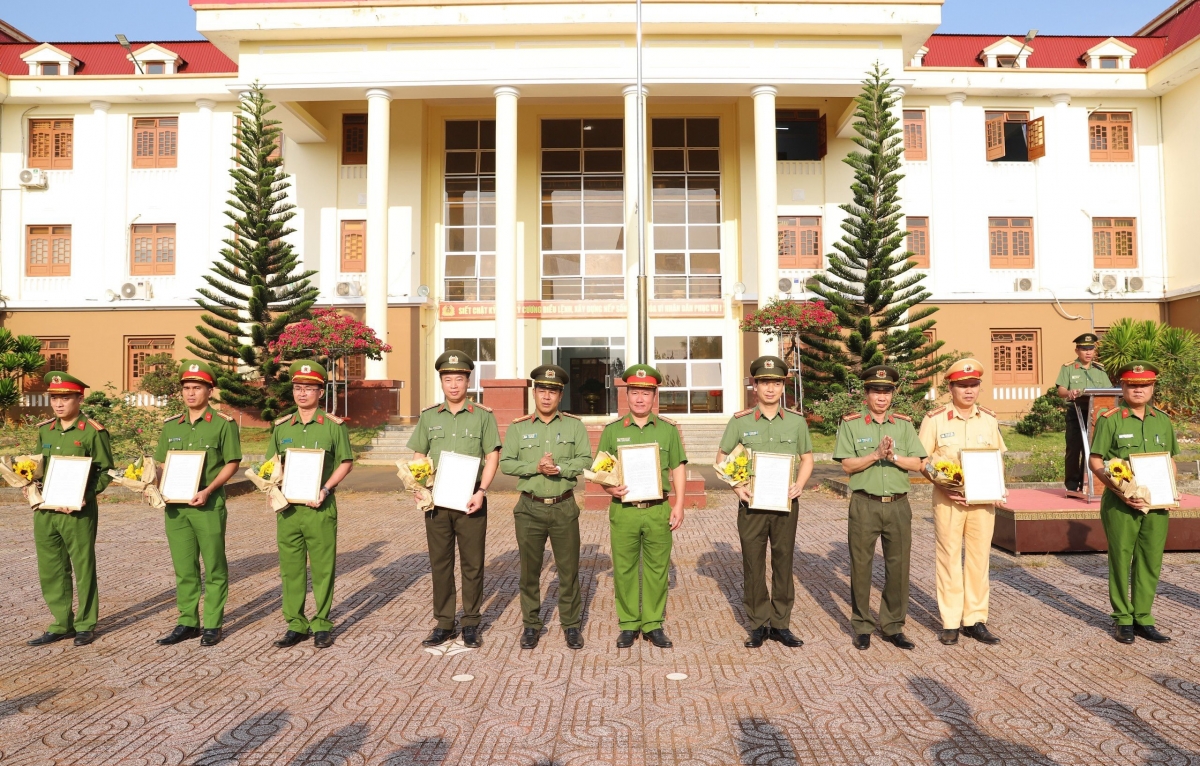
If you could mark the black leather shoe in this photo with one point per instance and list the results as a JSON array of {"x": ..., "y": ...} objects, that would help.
[
  {"x": 1148, "y": 632},
  {"x": 658, "y": 638},
  {"x": 574, "y": 638},
  {"x": 210, "y": 637},
  {"x": 900, "y": 641},
  {"x": 291, "y": 638},
  {"x": 181, "y": 633},
  {"x": 757, "y": 637},
  {"x": 786, "y": 637},
  {"x": 440, "y": 636},
  {"x": 626, "y": 639},
  {"x": 529, "y": 638},
  {"x": 862, "y": 641},
  {"x": 49, "y": 638},
  {"x": 949, "y": 637},
  {"x": 85, "y": 637},
  {"x": 980, "y": 633},
  {"x": 323, "y": 639},
  {"x": 471, "y": 638},
  {"x": 1124, "y": 634}
]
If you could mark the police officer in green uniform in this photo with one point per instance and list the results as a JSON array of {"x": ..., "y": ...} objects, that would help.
[
  {"x": 546, "y": 451},
  {"x": 66, "y": 541},
  {"x": 641, "y": 531},
  {"x": 307, "y": 534},
  {"x": 1136, "y": 535},
  {"x": 769, "y": 427},
  {"x": 196, "y": 530},
  {"x": 462, "y": 426},
  {"x": 1073, "y": 378},
  {"x": 877, "y": 448}
]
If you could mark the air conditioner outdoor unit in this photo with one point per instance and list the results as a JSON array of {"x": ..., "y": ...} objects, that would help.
[
  {"x": 1108, "y": 282},
  {"x": 141, "y": 291},
  {"x": 785, "y": 285},
  {"x": 32, "y": 178},
  {"x": 1134, "y": 284},
  {"x": 349, "y": 289},
  {"x": 1022, "y": 285}
]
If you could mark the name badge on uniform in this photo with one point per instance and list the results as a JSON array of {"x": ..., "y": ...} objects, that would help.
[
  {"x": 47, "y": 446},
  {"x": 286, "y": 441},
  {"x": 624, "y": 439},
  {"x": 170, "y": 439},
  {"x": 946, "y": 435},
  {"x": 750, "y": 433},
  {"x": 864, "y": 439},
  {"x": 435, "y": 428},
  {"x": 1124, "y": 436},
  {"x": 529, "y": 436}
]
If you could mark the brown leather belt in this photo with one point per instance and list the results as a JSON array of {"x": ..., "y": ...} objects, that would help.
[
  {"x": 548, "y": 500},
  {"x": 882, "y": 498},
  {"x": 647, "y": 503}
]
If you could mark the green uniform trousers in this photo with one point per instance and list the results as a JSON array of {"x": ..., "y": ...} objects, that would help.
[
  {"x": 443, "y": 528},
  {"x": 66, "y": 544},
  {"x": 640, "y": 536},
  {"x": 870, "y": 520},
  {"x": 757, "y": 530},
  {"x": 534, "y": 523},
  {"x": 1135, "y": 553},
  {"x": 194, "y": 534},
  {"x": 307, "y": 538}
]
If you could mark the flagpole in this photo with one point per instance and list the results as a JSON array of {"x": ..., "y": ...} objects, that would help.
[{"x": 642, "y": 288}]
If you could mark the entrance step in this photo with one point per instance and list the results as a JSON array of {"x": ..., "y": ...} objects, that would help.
[{"x": 389, "y": 446}]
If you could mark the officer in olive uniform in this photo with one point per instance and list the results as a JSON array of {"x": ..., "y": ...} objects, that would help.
[
  {"x": 307, "y": 534},
  {"x": 546, "y": 451},
  {"x": 1073, "y": 378},
  {"x": 641, "y": 531},
  {"x": 878, "y": 448},
  {"x": 196, "y": 530},
  {"x": 769, "y": 427},
  {"x": 66, "y": 541},
  {"x": 462, "y": 426},
  {"x": 1136, "y": 535}
]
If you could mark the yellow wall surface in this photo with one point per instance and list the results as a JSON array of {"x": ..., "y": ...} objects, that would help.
[{"x": 1185, "y": 312}]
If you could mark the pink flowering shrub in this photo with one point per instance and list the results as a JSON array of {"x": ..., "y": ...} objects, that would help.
[{"x": 329, "y": 333}]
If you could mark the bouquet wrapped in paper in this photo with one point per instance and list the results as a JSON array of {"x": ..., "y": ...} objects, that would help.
[
  {"x": 1122, "y": 475},
  {"x": 141, "y": 476},
  {"x": 25, "y": 473},
  {"x": 605, "y": 471},
  {"x": 417, "y": 477},
  {"x": 734, "y": 470},
  {"x": 944, "y": 469},
  {"x": 267, "y": 478}
]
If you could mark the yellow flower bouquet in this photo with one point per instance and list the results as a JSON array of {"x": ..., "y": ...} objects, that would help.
[
  {"x": 1122, "y": 475},
  {"x": 25, "y": 473},
  {"x": 417, "y": 477},
  {"x": 140, "y": 476},
  {"x": 605, "y": 471},
  {"x": 944, "y": 470},
  {"x": 734, "y": 470},
  {"x": 267, "y": 478}
]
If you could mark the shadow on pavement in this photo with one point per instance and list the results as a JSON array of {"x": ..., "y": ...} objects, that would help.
[
  {"x": 335, "y": 749},
  {"x": 761, "y": 742},
  {"x": 249, "y": 735},
  {"x": 1126, "y": 720}
]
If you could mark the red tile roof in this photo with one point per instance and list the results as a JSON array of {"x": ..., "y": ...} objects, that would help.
[
  {"x": 1049, "y": 51},
  {"x": 1179, "y": 24},
  {"x": 197, "y": 57}
]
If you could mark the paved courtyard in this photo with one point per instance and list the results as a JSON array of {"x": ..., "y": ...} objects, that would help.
[{"x": 1058, "y": 690}]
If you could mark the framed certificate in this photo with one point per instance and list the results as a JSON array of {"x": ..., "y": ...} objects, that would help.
[
  {"x": 302, "y": 475},
  {"x": 181, "y": 476},
  {"x": 454, "y": 480},
  {"x": 641, "y": 472},
  {"x": 1155, "y": 471},
  {"x": 771, "y": 482},
  {"x": 983, "y": 476},
  {"x": 66, "y": 482}
]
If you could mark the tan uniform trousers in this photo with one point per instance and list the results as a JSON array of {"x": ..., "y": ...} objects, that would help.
[{"x": 963, "y": 535}]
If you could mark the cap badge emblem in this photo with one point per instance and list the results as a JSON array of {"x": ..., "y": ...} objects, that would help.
[
  {"x": 56, "y": 379},
  {"x": 453, "y": 359},
  {"x": 194, "y": 368},
  {"x": 305, "y": 368},
  {"x": 549, "y": 373},
  {"x": 641, "y": 373},
  {"x": 1138, "y": 368},
  {"x": 968, "y": 368},
  {"x": 768, "y": 364},
  {"x": 881, "y": 373}
]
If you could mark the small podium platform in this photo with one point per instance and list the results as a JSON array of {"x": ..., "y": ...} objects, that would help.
[{"x": 1049, "y": 521}]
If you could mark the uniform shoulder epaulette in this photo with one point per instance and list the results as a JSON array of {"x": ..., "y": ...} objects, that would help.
[
  {"x": 743, "y": 413},
  {"x": 986, "y": 411},
  {"x": 618, "y": 419},
  {"x": 570, "y": 415},
  {"x": 282, "y": 419},
  {"x": 430, "y": 407},
  {"x": 794, "y": 412},
  {"x": 901, "y": 417},
  {"x": 483, "y": 407},
  {"x": 46, "y": 422},
  {"x": 851, "y": 416},
  {"x": 668, "y": 421},
  {"x": 225, "y": 416},
  {"x": 1097, "y": 365},
  {"x": 1110, "y": 413},
  {"x": 169, "y": 418},
  {"x": 523, "y": 418},
  {"x": 938, "y": 411},
  {"x": 335, "y": 418},
  {"x": 95, "y": 425}
]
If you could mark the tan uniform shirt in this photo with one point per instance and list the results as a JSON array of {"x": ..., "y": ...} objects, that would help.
[{"x": 945, "y": 427}]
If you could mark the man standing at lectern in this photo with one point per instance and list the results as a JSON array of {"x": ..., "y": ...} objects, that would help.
[{"x": 1073, "y": 378}]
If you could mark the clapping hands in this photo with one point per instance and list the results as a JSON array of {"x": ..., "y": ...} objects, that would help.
[{"x": 546, "y": 466}]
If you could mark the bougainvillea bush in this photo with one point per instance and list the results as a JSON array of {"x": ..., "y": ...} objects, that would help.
[{"x": 328, "y": 335}]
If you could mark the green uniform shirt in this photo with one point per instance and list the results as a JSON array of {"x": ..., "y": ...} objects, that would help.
[
  {"x": 470, "y": 431},
  {"x": 529, "y": 438},
  {"x": 214, "y": 434},
  {"x": 784, "y": 434},
  {"x": 324, "y": 431},
  {"x": 859, "y": 435},
  {"x": 624, "y": 431},
  {"x": 1075, "y": 377},
  {"x": 1120, "y": 433},
  {"x": 85, "y": 438}
]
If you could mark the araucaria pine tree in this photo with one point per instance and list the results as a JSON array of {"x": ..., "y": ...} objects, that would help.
[
  {"x": 256, "y": 289},
  {"x": 871, "y": 285}
]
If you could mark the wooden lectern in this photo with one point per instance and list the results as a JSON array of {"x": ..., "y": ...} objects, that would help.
[{"x": 1098, "y": 400}]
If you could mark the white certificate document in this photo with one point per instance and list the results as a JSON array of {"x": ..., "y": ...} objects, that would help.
[
  {"x": 302, "y": 475},
  {"x": 983, "y": 476},
  {"x": 181, "y": 476},
  {"x": 454, "y": 480},
  {"x": 66, "y": 482},
  {"x": 771, "y": 482},
  {"x": 641, "y": 472},
  {"x": 1155, "y": 471}
]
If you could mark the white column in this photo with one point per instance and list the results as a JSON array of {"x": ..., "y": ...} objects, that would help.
[
  {"x": 506, "y": 232},
  {"x": 633, "y": 194},
  {"x": 106, "y": 266},
  {"x": 209, "y": 245},
  {"x": 379, "y": 135},
  {"x": 765, "y": 192},
  {"x": 953, "y": 271}
]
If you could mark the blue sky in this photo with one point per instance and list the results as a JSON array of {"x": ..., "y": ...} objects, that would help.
[{"x": 69, "y": 20}]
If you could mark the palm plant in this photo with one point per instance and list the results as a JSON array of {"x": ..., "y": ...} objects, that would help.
[
  {"x": 20, "y": 355},
  {"x": 1174, "y": 350}
]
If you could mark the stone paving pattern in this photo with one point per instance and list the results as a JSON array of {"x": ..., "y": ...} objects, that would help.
[{"x": 1058, "y": 690}]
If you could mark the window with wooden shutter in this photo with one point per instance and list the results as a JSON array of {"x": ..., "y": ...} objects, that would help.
[
  {"x": 1037, "y": 138},
  {"x": 354, "y": 139},
  {"x": 994, "y": 133},
  {"x": 1010, "y": 243},
  {"x": 155, "y": 142},
  {"x": 48, "y": 251},
  {"x": 1110, "y": 136},
  {"x": 799, "y": 242},
  {"x": 1015, "y": 357},
  {"x": 354, "y": 246},
  {"x": 152, "y": 249},
  {"x": 1006, "y": 136},
  {"x": 918, "y": 240},
  {"x": 1114, "y": 243},
  {"x": 51, "y": 144},
  {"x": 56, "y": 351},
  {"x": 914, "y": 135},
  {"x": 136, "y": 352}
]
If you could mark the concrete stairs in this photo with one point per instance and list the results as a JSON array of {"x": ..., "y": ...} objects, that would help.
[{"x": 389, "y": 446}]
